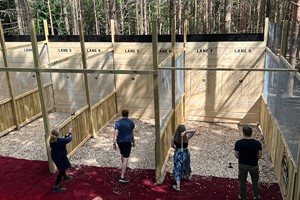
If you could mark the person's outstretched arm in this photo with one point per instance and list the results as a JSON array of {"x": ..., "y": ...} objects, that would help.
[{"x": 189, "y": 133}]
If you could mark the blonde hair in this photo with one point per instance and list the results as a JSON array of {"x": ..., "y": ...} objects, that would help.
[{"x": 54, "y": 135}]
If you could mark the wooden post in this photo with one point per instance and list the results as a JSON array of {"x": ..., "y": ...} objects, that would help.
[
  {"x": 37, "y": 64},
  {"x": 10, "y": 88},
  {"x": 86, "y": 80},
  {"x": 284, "y": 34},
  {"x": 266, "y": 30},
  {"x": 156, "y": 102},
  {"x": 46, "y": 32},
  {"x": 184, "y": 47},
  {"x": 112, "y": 29},
  {"x": 173, "y": 40}
]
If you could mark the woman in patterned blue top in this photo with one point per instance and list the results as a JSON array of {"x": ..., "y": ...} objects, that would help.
[{"x": 181, "y": 159}]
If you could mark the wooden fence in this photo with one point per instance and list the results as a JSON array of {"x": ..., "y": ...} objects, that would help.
[
  {"x": 28, "y": 109},
  {"x": 102, "y": 112},
  {"x": 284, "y": 166}
]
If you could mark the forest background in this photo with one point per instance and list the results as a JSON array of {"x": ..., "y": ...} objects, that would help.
[{"x": 134, "y": 17}]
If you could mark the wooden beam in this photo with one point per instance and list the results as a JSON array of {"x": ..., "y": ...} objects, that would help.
[
  {"x": 156, "y": 101},
  {"x": 86, "y": 80},
  {"x": 60, "y": 61},
  {"x": 184, "y": 45},
  {"x": 24, "y": 45},
  {"x": 173, "y": 45},
  {"x": 266, "y": 30},
  {"x": 112, "y": 30},
  {"x": 37, "y": 64},
  {"x": 165, "y": 61},
  {"x": 150, "y": 72},
  {"x": 108, "y": 50},
  {"x": 85, "y": 71},
  {"x": 46, "y": 32},
  {"x": 8, "y": 78},
  {"x": 231, "y": 69}
]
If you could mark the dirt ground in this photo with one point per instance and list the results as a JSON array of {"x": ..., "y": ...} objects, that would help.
[{"x": 211, "y": 147}]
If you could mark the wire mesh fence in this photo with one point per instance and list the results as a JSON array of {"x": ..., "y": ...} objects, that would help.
[{"x": 282, "y": 92}]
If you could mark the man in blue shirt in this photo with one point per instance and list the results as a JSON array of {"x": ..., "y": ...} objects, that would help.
[
  {"x": 123, "y": 136},
  {"x": 248, "y": 151}
]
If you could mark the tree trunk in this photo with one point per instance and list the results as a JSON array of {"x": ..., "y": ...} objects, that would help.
[
  {"x": 159, "y": 25},
  {"x": 172, "y": 14},
  {"x": 141, "y": 22},
  {"x": 227, "y": 28},
  {"x": 195, "y": 16},
  {"x": 210, "y": 16},
  {"x": 258, "y": 15},
  {"x": 137, "y": 18},
  {"x": 293, "y": 49},
  {"x": 19, "y": 18},
  {"x": 112, "y": 15},
  {"x": 73, "y": 14},
  {"x": 205, "y": 21},
  {"x": 128, "y": 17},
  {"x": 65, "y": 17},
  {"x": 179, "y": 18},
  {"x": 145, "y": 17},
  {"x": 122, "y": 28},
  {"x": 107, "y": 19},
  {"x": 96, "y": 13}
]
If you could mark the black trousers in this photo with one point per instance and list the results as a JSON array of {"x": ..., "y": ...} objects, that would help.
[{"x": 61, "y": 173}]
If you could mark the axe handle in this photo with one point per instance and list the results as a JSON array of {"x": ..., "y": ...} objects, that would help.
[{"x": 181, "y": 148}]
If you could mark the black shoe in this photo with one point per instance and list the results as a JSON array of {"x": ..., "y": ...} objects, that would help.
[
  {"x": 58, "y": 189},
  {"x": 68, "y": 178},
  {"x": 123, "y": 180}
]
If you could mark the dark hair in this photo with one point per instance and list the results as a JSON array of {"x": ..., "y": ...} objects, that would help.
[
  {"x": 247, "y": 130},
  {"x": 125, "y": 113},
  {"x": 177, "y": 138}
]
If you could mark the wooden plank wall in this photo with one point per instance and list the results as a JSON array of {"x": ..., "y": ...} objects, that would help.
[
  {"x": 69, "y": 89},
  {"x": 230, "y": 96},
  {"x": 80, "y": 128},
  {"x": 284, "y": 166},
  {"x": 225, "y": 96},
  {"x": 104, "y": 111},
  {"x": 7, "y": 122},
  {"x": 135, "y": 92}
]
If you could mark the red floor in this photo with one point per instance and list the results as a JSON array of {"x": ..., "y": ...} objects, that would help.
[{"x": 24, "y": 179}]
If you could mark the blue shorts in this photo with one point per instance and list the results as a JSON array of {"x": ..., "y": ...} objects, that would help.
[{"x": 125, "y": 149}]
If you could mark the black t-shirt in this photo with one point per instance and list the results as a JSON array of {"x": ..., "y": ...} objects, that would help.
[
  {"x": 178, "y": 145},
  {"x": 248, "y": 151}
]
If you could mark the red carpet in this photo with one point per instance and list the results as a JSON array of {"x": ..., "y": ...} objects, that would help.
[{"x": 30, "y": 180}]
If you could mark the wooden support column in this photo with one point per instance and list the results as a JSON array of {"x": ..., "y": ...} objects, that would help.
[
  {"x": 46, "y": 32},
  {"x": 37, "y": 63},
  {"x": 86, "y": 80},
  {"x": 266, "y": 30},
  {"x": 184, "y": 48},
  {"x": 112, "y": 28},
  {"x": 158, "y": 160},
  {"x": 8, "y": 78},
  {"x": 173, "y": 40}
]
